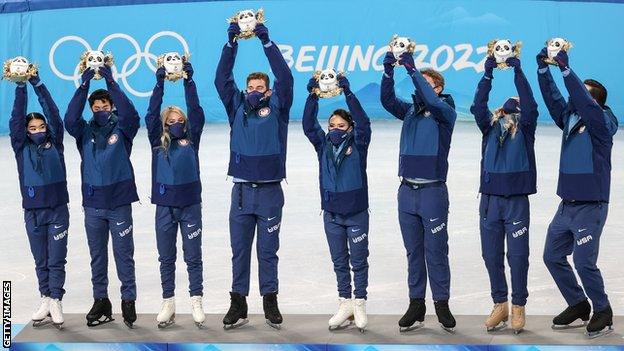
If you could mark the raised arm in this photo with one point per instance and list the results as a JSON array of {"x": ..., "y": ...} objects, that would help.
[
  {"x": 553, "y": 99},
  {"x": 224, "y": 78},
  {"x": 283, "y": 86},
  {"x": 129, "y": 120},
  {"x": 479, "y": 108},
  {"x": 528, "y": 106},
  {"x": 362, "y": 122},
  {"x": 195, "y": 111},
  {"x": 17, "y": 123},
  {"x": 397, "y": 107},
  {"x": 311, "y": 127},
  {"x": 152, "y": 118},
  {"x": 50, "y": 111},
  {"x": 74, "y": 123}
]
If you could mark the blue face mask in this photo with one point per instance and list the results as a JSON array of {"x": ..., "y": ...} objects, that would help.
[
  {"x": 337, "y": 136},
  {"x": 254, "y": 98},
  {"x": 101, "y": 117},
  {"x": 511, "y": 106},
  {"x": 38, "y": 138},
  {"x": 177, "y": 130}
]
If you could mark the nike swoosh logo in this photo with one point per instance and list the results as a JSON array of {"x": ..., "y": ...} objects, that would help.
[
  {"x": 582, "y": 230},
  {"x": 191, "y": 226},
  {"x": 57, "y": 227},
  {"x": 355, "y": 231},
  {"x": 433, "y": 219},
  {"x": 120, "y": 223},
  {"x": 516, "y": 223},
  {"x": 271, "y": 218}
]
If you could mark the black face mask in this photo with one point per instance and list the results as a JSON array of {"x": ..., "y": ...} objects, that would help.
[
  {"x": 101, "y": 118},
  {"x": 38, "y": 138}
]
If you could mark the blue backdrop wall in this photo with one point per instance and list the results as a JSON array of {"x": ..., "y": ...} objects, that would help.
[{"x": 349, "y": 35}]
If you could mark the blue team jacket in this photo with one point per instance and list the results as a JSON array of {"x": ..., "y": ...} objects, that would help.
[
  {"x": 427, "y": 128},
  {"x": 107, "y": 174},
  {"x": 41, "y": 169},
  {"x": 585, "y": 162},
  {"x": 175, "y": 174},
  {"x": 257, "y": 137},
  {"x": 507, "y": 164},
  {"x": 342, "y": 179}
]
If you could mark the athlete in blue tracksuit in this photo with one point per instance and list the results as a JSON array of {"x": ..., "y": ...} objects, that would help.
[
  {"x": 108, "y": 187},
  {"x": 38, "y": 145},
  {"x": 508, "y": 176},
  {"x": 423, "y": 197},
  {"x": 176, "y": 186},
  {"x": 258, "y": 118},
  {"x": 342, "y": 156},
  {"x": 584, "y": 179}
]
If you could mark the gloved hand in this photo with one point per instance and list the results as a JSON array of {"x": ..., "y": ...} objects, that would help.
[
  {"x": 34, "y": 80},
  {"x": 388, "y": 63},
  {"x": 407, "y": 60},
  {"x": 513, "y": 62},
  {"x": 488, "y": 66},
  {"x": 312, "y": 84},
  {"x": 262, "y": 32},
  {"x": 188, "y": 68},
  {"x": 106, "y": 73},
  {"x": 343, "y": 82},
  {"x": 562, "y": 60},
  {"x": 161, "y": 72},
  {"x": 543, "y": 54},
  {"x": 87, "y": 75},
  {"x": 233, "y": 31}
]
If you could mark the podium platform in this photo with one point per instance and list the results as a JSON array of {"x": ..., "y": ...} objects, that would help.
[{"x": 307, "y": 332}]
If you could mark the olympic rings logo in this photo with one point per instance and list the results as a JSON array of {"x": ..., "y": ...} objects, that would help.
[{"x": 129, "y": 66}]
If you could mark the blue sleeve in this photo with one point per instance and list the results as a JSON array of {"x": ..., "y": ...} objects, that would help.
[
  {"x": 439, "y": 109},
  {"x": 479, "y": 108},
  {"x": 592, "y": 115},
  {"x": 283, "y": 85},
  {"x": 555, "y": 103},
  {"x": 74, "y": 123},
  {"x": 311, "y": 127},
  {"x": 528, "y": 105},
  {"x": 195, "y": 111},
  {"x": 129, "y": 120},
  {"x": 362, "y": 122},
  {"x": 52, "y": 114},
  {"x": 224, "y": 82},
  {"x": 152, "y": 119},
  {"x": 397, "y": 107},
  {"x": 17, "y": 123}
]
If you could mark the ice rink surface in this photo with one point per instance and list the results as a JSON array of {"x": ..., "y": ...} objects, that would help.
[{"x": 307, "y": 280}]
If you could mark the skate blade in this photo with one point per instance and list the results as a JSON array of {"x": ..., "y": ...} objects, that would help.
[
  {"x": 41, "y": 323},
  {"x": 199, "y": 325},
  {"x": 502, "y": 325},
  {"x": 128, "y": 324},
  {"x": 415, "y": 326},
  {"x": 568, "y": 326},
  {"x": 58, "y": 326},
  {"x": 606, "y": 331},
  {"x": 238, "y": 324},
  {"x": 99, "y": 322},
  {"x": 448, "y": 329},
  {"x": 163, "y": 325},
  {"x": 362, "y": 330},
  {"x": 342, "y": 326},
  {"x": 274, "y": 325},
  {"x": 518, "y": 331}
]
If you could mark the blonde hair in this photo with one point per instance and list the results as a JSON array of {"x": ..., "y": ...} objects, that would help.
[
  {"x": 510, "y": 124},
  {"x": 165, "y": 137}
]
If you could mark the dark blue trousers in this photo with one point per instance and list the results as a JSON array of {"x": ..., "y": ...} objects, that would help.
[
  {"x": 189, "y": 220},
  {"x": 47, "y": 234},
  {"x": 423, "y": 214},
  {"x": 576, "y": 230},
  {"x": 347, "y": 237},
  {"x": 506, "y": 218},
  {"x": 255, "y": 207},
  {"x": 118, "y": 222}
]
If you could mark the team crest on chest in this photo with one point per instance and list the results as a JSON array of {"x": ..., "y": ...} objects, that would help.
[
  {"x": 113, "y": 139},
  {"x": 183, "y": 142},
  {"x": 581, "y": 129},
  {"x": 349, "y": 151},
  {"x": 263, "y": 112}
]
